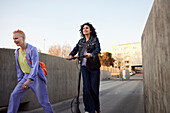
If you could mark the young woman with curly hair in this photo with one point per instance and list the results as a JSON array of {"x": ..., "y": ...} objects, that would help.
[{"x": 90, "y": 67}]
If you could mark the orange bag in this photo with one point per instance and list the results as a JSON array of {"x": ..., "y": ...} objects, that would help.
[{"x": 43, "y": 66}]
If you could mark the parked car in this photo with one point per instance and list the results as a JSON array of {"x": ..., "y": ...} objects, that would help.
[
  {"x": 130, "y": 73},
  {"x": 133, "y": 72}
]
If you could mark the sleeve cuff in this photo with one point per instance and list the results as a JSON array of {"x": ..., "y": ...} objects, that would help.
[{"x": 32, "y": 79}]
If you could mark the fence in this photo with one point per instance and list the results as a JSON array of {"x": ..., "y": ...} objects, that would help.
[{"x": 113, "y": 71}]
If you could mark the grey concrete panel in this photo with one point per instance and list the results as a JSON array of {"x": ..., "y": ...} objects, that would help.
[
  {"x": 156, "y": 58},
  {"x": 62, "y": 79}
]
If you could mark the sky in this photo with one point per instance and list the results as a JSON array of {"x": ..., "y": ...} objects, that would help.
[{"x": 57, "y": 22}]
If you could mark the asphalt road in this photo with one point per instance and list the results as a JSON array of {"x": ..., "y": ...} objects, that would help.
[
  {"x": 122, "y": 96},
  {"x": 115, "y": 97}
]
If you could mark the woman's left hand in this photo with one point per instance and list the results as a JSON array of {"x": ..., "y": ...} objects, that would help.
[{"x": 88, "y": 55}]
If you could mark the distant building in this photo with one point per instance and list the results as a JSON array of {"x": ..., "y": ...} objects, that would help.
[{"x": 127, "y": 56}]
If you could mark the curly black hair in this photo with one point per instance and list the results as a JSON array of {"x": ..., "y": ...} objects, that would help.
[{"x": 92, "y": 29}]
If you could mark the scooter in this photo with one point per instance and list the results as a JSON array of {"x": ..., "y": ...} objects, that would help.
[{"x": 76, "y": 103}]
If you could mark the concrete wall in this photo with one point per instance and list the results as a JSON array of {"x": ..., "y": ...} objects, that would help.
[
  {"x": 156, "y": 58},
  {"x": 113, "y": 71},
  {"x": 105, "y": 75},
  {"x": 62, "y": 79}
]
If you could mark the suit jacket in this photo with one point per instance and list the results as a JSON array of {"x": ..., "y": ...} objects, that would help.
[{"x": 36, "y": 70}]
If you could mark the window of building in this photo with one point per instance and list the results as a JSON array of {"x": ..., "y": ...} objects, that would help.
[
  {"x": 126, "y": 49},
  {"x": 134, "y": 56},
  {"x": 115, "y": 58},
  {"x": 134, "y": 51},
  {"x": 134, "y": 47},
  {"x": 119, "y": 53},
  {"x": 126, "y": 53},
  {"x": 127, "y": 58},
  {"x": 126, "y": 62}
]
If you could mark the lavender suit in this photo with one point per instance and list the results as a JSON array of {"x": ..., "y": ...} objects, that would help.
[{"x": 37, "y": 85}]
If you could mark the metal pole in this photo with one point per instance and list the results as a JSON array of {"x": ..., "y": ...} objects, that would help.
[
  {"x": 44, "y": 45},
  {"x": 76, "y": 107}
]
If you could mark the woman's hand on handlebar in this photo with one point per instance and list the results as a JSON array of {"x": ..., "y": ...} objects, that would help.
[
  {"x": 69, "y": 57},
  {"x": 88, "y": 55}
]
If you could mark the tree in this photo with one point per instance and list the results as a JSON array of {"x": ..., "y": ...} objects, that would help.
[
  {"x": 66, "y": 49},
  {"x": 57, "y": 50},
  {"x": 106, "y": 59},
  {"x": 39, "y": 50}
]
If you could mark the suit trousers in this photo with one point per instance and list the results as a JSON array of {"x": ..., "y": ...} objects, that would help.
[{"x": 38, "y": 86}]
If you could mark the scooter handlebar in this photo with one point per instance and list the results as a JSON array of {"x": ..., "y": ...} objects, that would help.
[{"x": 77, "y": 57}]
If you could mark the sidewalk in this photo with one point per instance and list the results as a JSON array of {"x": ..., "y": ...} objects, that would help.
[{"x": 61, "y": 107}]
